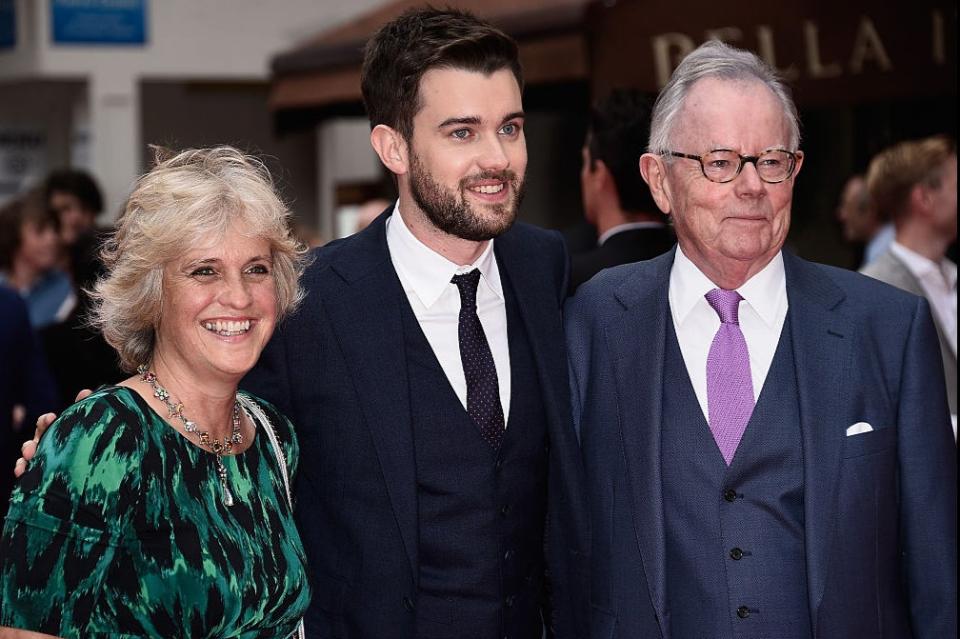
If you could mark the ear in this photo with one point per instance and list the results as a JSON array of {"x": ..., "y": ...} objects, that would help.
[
  {"x": 919, "y": 197},
  {"x": 391, "y": 148},
  {"x": 654, "y": 172}
]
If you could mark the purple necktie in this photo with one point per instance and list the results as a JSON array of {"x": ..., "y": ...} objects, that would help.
[{"x": 729, "y": 385}]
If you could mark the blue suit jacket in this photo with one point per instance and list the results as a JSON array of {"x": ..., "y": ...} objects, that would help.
[
  {"x": 337, "y": 368},
  {"x": 24, "y": 380},
  {"x": 879, "y": 508}
]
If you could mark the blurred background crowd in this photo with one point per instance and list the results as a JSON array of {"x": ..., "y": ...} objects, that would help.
[{"x": 88, "y": 85}]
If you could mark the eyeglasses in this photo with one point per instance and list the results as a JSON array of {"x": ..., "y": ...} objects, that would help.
[{"x": 723, "y": 165}]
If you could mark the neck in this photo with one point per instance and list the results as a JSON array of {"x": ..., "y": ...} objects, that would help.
[
  {"x": 23, "y": 275},
  {"x": 208, "y": 402},
  {"x": 922, "y": 239},
  {"x": 727, "y": 273},
  {"x": 456, "y": 249}
]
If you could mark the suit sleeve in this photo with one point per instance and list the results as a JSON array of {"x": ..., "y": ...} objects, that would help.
[{"x": 928, "y": 484}]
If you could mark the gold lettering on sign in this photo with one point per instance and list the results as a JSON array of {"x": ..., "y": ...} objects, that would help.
[
  {"x": 868, "y": 46},
  {"x": 938, "y": 45},
  {"x": 668, "y": 50},
  {"x": 724, "y": 34},
  {"x": 815, "y": 67},
  {"x": 768, "y": 52}
]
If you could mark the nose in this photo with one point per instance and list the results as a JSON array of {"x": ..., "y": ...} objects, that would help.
[
  {"x": 493, "y": 156},
  {"x": 748, "y": 183},
  {"x": 235, "y": 293}
]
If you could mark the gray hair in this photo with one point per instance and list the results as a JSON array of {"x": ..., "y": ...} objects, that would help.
[
  {"x": 714, "y": 59},
  {"x": 185, "y": 200}
]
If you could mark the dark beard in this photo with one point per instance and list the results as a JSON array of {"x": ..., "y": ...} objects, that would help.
[{"x": 451, "y": 214}]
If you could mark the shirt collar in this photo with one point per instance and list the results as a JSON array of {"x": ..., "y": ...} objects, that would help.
[
  {"x": 764, "y": 292},
  {"x": 427, "y": 273},
  {"x": 627, "y": 226},
  {"x": 921, "y": 265}
]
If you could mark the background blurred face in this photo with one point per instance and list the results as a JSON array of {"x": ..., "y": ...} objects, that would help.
[
  {"x": 944, "y": 199},
  {"x": 219, "y": 308},
  {"x": 855, "y": 213},
  {"x": 742, "y": 223},
  {"x": 74, "y": 218},
  {"x": 468, "y": 154},
  {"x": 39, "y": 246}
]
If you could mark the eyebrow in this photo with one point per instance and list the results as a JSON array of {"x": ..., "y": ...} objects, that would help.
[
  {"x": 203, "y": 261},
  {"x": 476, "y": 120}
]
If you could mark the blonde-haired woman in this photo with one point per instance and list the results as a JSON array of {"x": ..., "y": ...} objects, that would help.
[{"x": 161, "y": 506}]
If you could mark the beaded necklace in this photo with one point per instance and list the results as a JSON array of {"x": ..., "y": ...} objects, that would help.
[{"x": 217, "y": 447}]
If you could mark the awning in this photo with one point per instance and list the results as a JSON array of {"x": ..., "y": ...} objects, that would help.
[
  {"x": 325, "y": 70},
  {"x": 831, "y": 53}
]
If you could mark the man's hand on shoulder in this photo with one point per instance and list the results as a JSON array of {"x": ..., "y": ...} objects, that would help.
[{"x": 29, "y": 448}]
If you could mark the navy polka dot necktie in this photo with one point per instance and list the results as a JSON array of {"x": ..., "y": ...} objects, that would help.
[{"x": 483, "y": 390}]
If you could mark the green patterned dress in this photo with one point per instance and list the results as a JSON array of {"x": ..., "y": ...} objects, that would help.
[{"x": 118, "y": 529}]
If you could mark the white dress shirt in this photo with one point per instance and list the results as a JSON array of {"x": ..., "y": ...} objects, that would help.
[
  {"x": 761, "y": 313},
  {"x": 939, "y": 284},
  {"x": 425, "y": 276}
]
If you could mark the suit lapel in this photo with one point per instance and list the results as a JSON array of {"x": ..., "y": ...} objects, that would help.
[
  {"x": 364, "y": 305},
  {"x": 821, "y": 347},
  {"x": 638, "y": 338},
  {"x": 539, "y": 308}
]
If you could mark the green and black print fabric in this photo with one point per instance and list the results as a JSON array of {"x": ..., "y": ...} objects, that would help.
[{"x": 118, "y": 529}]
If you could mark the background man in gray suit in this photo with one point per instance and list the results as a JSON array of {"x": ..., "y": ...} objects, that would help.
[{"x": 915, "y": 183}]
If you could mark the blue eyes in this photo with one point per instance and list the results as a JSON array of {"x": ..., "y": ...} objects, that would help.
[{"x": 509, "y": 130}]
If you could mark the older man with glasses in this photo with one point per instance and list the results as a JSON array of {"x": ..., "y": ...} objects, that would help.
[{"x": 767, "y": 445}]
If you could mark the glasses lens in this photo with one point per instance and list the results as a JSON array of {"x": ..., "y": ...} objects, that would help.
[
  {"x": 721, "y": 166},
  {"x": 775, "y": 166}
]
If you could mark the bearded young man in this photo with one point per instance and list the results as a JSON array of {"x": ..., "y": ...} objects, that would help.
[{"x": 425, "y": 372}]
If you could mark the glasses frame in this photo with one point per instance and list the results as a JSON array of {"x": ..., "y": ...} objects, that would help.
[{"x": 753, "y": 159}]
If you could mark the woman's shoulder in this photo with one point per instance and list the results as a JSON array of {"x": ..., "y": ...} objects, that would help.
[
  {"x": 111, "y": 416},
  {"x": 281, "y": 424}
]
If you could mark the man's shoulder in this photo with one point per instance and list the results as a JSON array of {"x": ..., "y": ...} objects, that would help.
[
  {"x": 529, "y": 236},
  {"x": 621, "y": 284},
  {"x": 864, "y": 293}
]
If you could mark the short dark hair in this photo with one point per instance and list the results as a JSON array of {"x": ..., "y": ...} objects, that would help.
[
  {"x": 78, "y": 183},
  {"x": 29, "y": 207},
  {"x": 405, "y": 48},
  {"x": 618, "y": 134}
]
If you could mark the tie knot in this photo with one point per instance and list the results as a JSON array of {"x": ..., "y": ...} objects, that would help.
[
  {"x": 726, "y": 304},
  {"x": 467, "y": 283}
]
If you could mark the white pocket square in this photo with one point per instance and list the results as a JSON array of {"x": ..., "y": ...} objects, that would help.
[{"x": 859, "y": 428}]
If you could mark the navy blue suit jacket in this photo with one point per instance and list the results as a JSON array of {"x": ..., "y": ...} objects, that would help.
[
  {"x": 25, "y": 380},
  {"x": 337, "y": 368},
  {"x": 879, "y": 507}
]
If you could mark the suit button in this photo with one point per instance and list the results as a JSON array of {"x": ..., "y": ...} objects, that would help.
[
  {"x": 505, "y": 510},
  {"x": 408, "y": 603},
  {"x": 736, "y": 554},
  {"x": 730, "y": 495},
  {"x": 508, "y": 602},
  {"x": 743, "y": 612}
]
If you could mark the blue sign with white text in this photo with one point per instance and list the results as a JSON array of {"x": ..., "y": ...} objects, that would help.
[
  {"x": 99, "y": 21},
  {"x": 8, "y": 24}
]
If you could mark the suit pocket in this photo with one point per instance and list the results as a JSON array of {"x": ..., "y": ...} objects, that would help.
[
  {"x": 869, "y": 443},
  {"x": 602, "y": 623}
]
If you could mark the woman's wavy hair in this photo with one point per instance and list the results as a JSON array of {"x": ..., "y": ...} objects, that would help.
[{"x": 187, "y": 199}]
